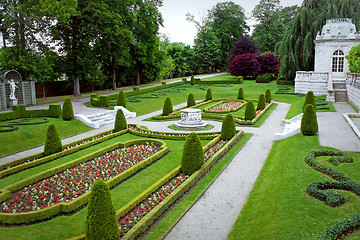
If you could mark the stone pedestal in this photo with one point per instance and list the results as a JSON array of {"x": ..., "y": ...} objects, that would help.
[
  {"x": 191, "y": 118},
  {"x": 13, "y": 102}
]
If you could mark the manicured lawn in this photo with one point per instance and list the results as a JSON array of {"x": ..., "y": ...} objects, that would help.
[
  {"x": 278, "y": 206},
  {"x": 63, "y": 227},
  {"x": 29, "y": 136}
]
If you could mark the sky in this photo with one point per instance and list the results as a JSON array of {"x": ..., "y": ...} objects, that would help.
[{"x": 179, "y": 30}]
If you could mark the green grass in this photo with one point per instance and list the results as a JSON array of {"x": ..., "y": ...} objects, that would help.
[
  {"x": 63, "y": 227},
  {"x": 29, "y": 136},
  {"x": 170, "y": 219},
  {"x": 279, "y": 208}
]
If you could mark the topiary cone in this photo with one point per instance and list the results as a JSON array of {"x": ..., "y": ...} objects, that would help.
[
  {"x": 190, "y": 100},
  {"x": 121, "y": 100},
  {"x": 168, "y": 107},
  {"x": 309, "y": 124},
  {"x": 193, "y": 155},
  {"x": 309, "y": 99},
  {"x": 250, "y": 112},
  {"x": 228, "y": 127},
  {"x": 208, "y": 95},
  {"x": 53, "y": 142},
  {"x": 192, "y": 80},
  {"x": 101, "y": 221},
  {"x": 240, "y": 93},
  {"x": 267, "y": 96},
  {"x": 120, "y": 121},
  {"x": 261, "y": 102},
  {"x": 68, "y": 111}
]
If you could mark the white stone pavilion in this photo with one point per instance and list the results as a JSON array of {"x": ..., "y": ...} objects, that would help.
[{"x": 331, "y": 73}]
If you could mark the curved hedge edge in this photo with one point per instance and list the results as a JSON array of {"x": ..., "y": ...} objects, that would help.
[
  {"x": 340, "y": 228},
  {"x": 19, "y": 218},
  {"x": 170, "y": 135},
  {"x": 317, "y": 189},
  {"x": 147, "y": 220},
  {"x": 206, "y": 110},
  {"x": 41, "y": 159}
]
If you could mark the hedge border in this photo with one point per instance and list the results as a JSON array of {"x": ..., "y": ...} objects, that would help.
[
  {"x": 155, "y": 213},
  {"x": 206, "y": 110},
  {"x": 19, "y": 111},
  {"x": 14, "y": 167},
  {"x": 150, "y": 217},
  {"x": 28, "y": 217}
]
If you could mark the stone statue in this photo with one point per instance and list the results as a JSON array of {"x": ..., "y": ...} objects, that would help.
[{"x": 12, "y": 88}]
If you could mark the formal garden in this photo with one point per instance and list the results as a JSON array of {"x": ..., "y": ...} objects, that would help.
[{"x": 48, "y": 194}]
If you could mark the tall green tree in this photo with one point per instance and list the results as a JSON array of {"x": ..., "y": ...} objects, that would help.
[
  {"x": 297, "y": 46},
  {"x": 222, "y": 19},
  {"x": 354, "y": 59}
]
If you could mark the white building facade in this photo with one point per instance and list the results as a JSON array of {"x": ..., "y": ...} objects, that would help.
[{"x": 337, "y": 38}]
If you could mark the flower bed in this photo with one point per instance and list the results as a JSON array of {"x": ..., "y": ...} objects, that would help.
[
  {"x": 75, "y": 181},
  {"x": 137, "y": 213},
  {"x": 226, "y": 107}
]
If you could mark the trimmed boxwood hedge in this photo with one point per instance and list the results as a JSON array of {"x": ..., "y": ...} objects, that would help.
[
  {"x": 208, "y": 95},
  {"x": 309, "y": 124},
  {"x": 168, "y": 107},
  {"x": 28, "y": 217},
  {"x": 53, "y": 142},
  {"x": 240, "y": 94},
  {"x": 250, "y": 112},
  {"x": 309, "y": 99},
  {"x": 228, "y": 127},
  {"x": 68, "y": 111},
  {"x": 193, "y": 155},
  {"x": 267, "y": 96},
  {"x": 261, "y": 102},
  {"x": 19, "y": 111},
  {"x": 120, "y": 121},
  {"x": 190, "y": 100},
  {"x": 121, "y": 100}
]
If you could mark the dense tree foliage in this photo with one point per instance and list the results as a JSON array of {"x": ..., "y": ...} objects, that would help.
[
  {"x": 244, "y": 45},
  {"x": 244, "y": 65},
  {"x": 354, "y": 59},
  {"x": 297, "y": 46},
  {"x": 268, "y": 63}
]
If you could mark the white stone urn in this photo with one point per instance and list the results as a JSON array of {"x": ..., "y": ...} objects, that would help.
[{"x": 191, "y": 118}]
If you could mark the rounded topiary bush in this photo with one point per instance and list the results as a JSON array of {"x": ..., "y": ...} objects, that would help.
[
  {"x": 101, "y": 221},
  {"x": 208, "y": 95},
  {"x": 268, "y": 96},
  {"x": 309, "y": 99},
  {"x": 192, "y": 80},
  {"x": 193, "y": 155},
  {"x": 240, "y": 93},
  {"x": 67, "y": 111},
  {"x": 121, "y": 100},
  {"x": 228, "y": 127},
  {"x": 190, "y": 100},
  {"x": 120, "y": 121},
  {"x": 53, "y": 142},
  {"x": 250, "y": 112},
  {"x": 309, "y": 124},
  {"x": 261, "y": 102},
  {"x": 168, "y": 107}
]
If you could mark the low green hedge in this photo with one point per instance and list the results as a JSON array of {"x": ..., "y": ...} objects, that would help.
[
  {"x": 19, "y": 111},
  {"x": 20, "y": 218},
  {"x": 12, "y": 167},
  {"x": 155, "y": 213},
  {"x": 338, "y": 229},
  {"x": 170, "y": 136},
  {"x": 234, "y": 81}
]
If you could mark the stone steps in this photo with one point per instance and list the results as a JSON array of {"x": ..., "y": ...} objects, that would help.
[{"x": 339, "y": 87}]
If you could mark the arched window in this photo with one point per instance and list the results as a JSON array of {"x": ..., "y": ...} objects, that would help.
[{"x": 338, "y": 61}]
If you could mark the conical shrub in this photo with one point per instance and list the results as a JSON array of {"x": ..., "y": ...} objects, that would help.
[
  {"x": 168, "y": 107},
  {"x": 120, "y": 121},
  {"x": 261, "y": 102},
  {"x": 309, "y": 124},
  {"x": 240, "y": 93},
  {"x": 68, "y": 111},
  {"x": 101, "y": 221},
  {"x": 250, "y": 112},
  {"x": 121, "y": 100},
  {"x": 190, "y": 100},
  {"x": 228, "y": 127},
  {"x": 53, "y": 142},
  {"x": 267, "y": 96},
  {"x": 309, "y": 99},
  {"x": 208, "y": 95},
  {"x": 193, "y": 155},
  {"x": 192, "y": 80}
]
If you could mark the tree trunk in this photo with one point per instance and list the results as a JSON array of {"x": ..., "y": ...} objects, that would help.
[
  {"x": 43, "y": 87},
  {"x": 113, "y": 75},
  {"x": 138, "y": 77},
  {"x": 76, "y": 86}
]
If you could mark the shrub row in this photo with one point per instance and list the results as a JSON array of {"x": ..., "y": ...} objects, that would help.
[
  {"x": 265, "y": 78},
  {"x": 104, "y": 101},
  {"x": 28, "y": 217},
  {"x": 236, "y": 80},
  {"x": 164, "y": 135},
  {"x": 21, "y": 164},
  {"x": 19, "y": 111},
  {"x": 155, "y": 213},
  {"x": 340, "y": 228}
]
